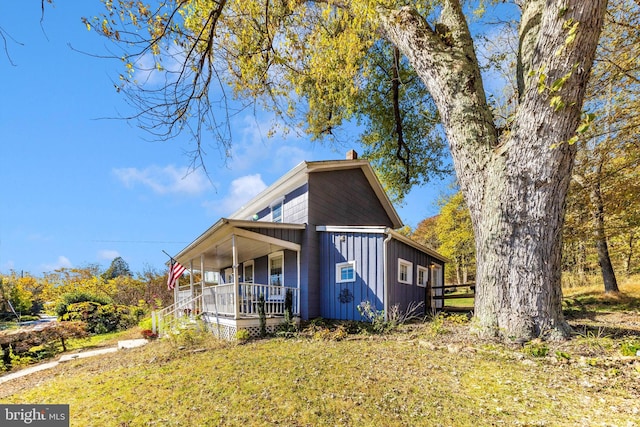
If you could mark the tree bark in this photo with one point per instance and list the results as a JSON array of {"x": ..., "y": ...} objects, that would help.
[
  {"x": 629, "y": 255},
  {"x": 602, "y": 247},
  {"x": 514, "y": 183}
]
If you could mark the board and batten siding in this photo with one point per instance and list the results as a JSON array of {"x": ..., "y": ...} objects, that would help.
[
  {"x": 338, "y": 197},
  {"x": 404, "y": 294},
  {"x": 340, "y": 300}
]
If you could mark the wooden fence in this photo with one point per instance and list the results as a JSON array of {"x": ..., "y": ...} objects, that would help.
[{"x": 454, "y": 293}]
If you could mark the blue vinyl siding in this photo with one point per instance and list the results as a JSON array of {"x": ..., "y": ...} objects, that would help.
[
  {"x": 340, "y": 300},
  {"x": 295, "y": 207}
]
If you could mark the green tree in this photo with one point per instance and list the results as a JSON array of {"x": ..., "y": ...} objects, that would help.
[
  {"x": 307, "y": 60},
  {"x": 118, "y": 267},
  {"x": 455, "y": 233},
  {"x": 605, "y": 184}
]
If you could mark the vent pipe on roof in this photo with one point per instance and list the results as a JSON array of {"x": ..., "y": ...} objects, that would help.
[{"x": 352, "y": 155}]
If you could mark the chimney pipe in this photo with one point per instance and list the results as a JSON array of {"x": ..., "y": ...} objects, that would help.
[{"x": 352, "y": 155}]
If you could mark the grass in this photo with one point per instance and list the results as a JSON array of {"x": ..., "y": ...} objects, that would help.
[{"x": 425, "y": 374}]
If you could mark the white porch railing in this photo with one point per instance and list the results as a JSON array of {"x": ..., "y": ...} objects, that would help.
[
  {"x": 180, "y": 313},
  {"x": 221, "y": 300}
]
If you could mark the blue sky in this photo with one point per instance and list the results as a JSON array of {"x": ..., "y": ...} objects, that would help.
[{"x": 78, "y": 188}]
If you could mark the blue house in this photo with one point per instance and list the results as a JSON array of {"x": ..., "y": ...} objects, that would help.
[{"x": 322, "y": 237}]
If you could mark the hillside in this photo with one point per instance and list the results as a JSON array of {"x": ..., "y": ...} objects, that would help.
[{"x": 426, "y": 374}]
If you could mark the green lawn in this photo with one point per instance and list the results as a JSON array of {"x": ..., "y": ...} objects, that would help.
[{"x": 428, "y": 374}]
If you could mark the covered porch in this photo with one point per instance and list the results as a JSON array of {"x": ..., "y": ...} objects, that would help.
[{"x": 234, "y": 268}]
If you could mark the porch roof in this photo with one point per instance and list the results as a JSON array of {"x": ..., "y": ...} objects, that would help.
[{"x": 217, "y": 243}]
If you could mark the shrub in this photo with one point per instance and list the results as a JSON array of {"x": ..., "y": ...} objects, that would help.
[
  {"x": 101, "y": 319},
  {"x": 77, "y": 297},
  {"x": 262, "y": 315},
  {"x": 375, "y": 317},
  {"x": 242, "y": 335}
]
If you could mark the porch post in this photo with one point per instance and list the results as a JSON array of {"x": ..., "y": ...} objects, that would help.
[
  {"x": 236, "y": 294},
  {"x": 191, "y": 288},
  {"x": 202, "y": 275}
]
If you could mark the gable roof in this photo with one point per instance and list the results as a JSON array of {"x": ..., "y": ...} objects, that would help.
[{"x": 299, "y": 175}]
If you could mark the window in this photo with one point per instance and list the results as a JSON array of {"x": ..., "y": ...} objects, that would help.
[
  {"x": 346, "y": 272},
  {"x": 276, "y": 275},
  {"x": 248, "y": 272},
  {"x": 276, "y": 210},
  {"x": 423, "y": 276},
  {"x": 405, "y": 271}
]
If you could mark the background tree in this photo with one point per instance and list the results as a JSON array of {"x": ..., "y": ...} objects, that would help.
[
  {"x": 455, "y": 233},
  {"x": 118, "y": 267},
  {"x": 307, "y": 60},
  {"x": 426, "y": 233},
  {"x": 605, "y": 184}
]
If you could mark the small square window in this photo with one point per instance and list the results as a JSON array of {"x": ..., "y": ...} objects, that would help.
[
  {"x": 405, "y": 271},
  {"x": 346, "y": 272}
]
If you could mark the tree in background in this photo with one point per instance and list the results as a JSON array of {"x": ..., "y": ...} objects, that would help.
[
  {"x": 455, "y": 232},
  {"x": 451, "y": 234},
  {"x": 118, "y": 268},
  {"x": 604, "y": 193},
  {"x": 426, "y": 233},
  {"x": 307, "y": 61}
]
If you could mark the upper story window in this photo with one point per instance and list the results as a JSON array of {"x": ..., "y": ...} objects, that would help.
[
  {"x": 405, "y": 271},
  {"x": 346, "y": 272},
  {"x": 277, "y": 209}
]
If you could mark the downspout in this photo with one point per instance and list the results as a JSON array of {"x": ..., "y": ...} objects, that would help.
[
  {"x": 298, "y": 293},
  {"x": 385, "y": 285}
]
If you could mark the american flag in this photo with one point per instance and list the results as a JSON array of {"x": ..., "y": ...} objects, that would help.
[{"x": 175, "y": 271}]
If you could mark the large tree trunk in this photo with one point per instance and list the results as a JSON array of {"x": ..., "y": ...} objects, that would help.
[{"x": 515, "y": 182}]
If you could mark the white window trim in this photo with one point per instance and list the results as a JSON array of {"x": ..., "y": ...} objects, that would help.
[
  {"x": 270, "y": 257},
  {"x": 339, "y": 267},
  {"x": 425, "y": 272},
  {"x": 409, "y": 265},
  {"x": 244, "y": 271},
  {"x": 277, "y": 202}
]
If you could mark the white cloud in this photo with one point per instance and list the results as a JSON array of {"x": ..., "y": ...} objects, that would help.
[
  {"x": 165, "y": 180},
  {"x": 147, "y": 75},
  {"x": 108, "y": 254},
  {"x": 252, "y": 147},
  {"x": 241, "y": 190},
  {"x": 61, "y": 262}
]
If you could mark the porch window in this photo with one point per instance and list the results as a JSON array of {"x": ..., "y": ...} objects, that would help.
[
  {"x": 247, "y": 275},
  {"x": 276, "y": 275},
  {"x": 423, "y": 275},
  {"x": 276, "y": 210},
  {"x": 346, "y": 272},
  {"x": 405, "y": 271}
]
